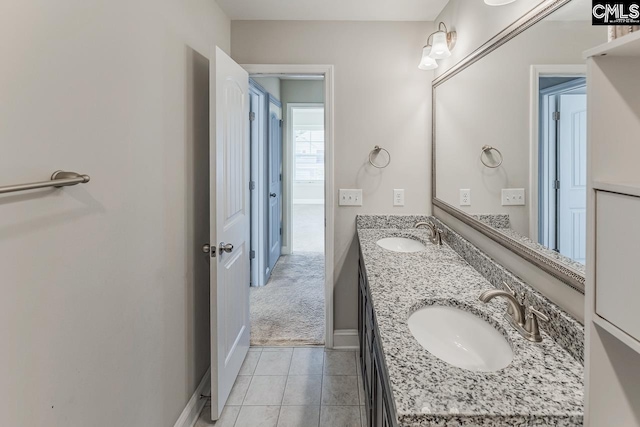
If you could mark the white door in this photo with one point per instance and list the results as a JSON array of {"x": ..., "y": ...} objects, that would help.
[
  {"x": 572, "y": 173},
  {"x": 229, "y": 163}
]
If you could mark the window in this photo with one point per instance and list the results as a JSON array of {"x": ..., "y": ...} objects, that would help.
[{"x": 308, "y": 139}]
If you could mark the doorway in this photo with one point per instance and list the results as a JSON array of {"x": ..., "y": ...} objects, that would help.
[
  {"x": 562, "y": 165},
  {"x": 288, "y": 258}
]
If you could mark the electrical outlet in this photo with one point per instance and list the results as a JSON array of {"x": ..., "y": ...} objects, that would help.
[
  {"x": 398, "y": 197},
  {"x": 513, "y": 197},
  {"x": 465, "y": 197},
  {"x": 350, "y": 197}
]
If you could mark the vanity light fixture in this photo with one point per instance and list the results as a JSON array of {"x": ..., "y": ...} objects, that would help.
[
  {"x": 439, "y": 45},
  {"x": 427, "y": 62},
  {"x": 498, "y": 2}
]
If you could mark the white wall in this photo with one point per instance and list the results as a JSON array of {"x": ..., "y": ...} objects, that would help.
[
  {"x": 104, "y": 307},
  {"x": 380, "y": 98}
]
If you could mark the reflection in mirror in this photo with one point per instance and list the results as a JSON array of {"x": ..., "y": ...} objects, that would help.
[{"x": 510, "y": 136}]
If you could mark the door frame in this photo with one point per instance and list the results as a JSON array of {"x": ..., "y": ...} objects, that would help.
[
  {"x": 329, "y": 202},
  {"x": 289, "y": 164},
  {"x": 537, "y": 71},
  {"x": 258, "y": 194}
]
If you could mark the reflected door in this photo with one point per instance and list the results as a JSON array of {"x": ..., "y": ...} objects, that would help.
[{"x": 572, "y": 165}]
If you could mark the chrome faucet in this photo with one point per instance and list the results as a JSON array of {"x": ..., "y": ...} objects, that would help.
[
  {"x": 524, "y": 319},
  {"x": 435, "y": 233}
]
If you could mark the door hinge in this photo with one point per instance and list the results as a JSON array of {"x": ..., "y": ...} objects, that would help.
[
  {"x": 281, "y": 231},
  {"x": 252, "y": 185},
  {"x": 556, "y": 184},
  {"x": 252, "y": 254},
  {"x": 556, "y": 115},
  {"x": 280, "y": 123},
  {"x": 252, "y": 116},
  {"x": 280, "y": 177}
]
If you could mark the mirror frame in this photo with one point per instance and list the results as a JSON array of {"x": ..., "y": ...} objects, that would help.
[{"x": 567, "y": 275}]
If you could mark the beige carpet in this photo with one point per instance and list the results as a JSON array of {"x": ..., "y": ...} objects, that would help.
[{"x": 289, "y": 310}]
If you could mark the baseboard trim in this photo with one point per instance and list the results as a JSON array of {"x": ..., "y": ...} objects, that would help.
[
  {"x": 345, "y": 339},
  {"x": 194, "y": 406}
]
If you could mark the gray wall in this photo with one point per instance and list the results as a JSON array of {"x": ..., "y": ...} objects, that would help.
[
  {"x": 475, "y": 22},
  {"x": 380, "y": 98},
  {"x": 271, "y": 85},
  {"x": 497, "y": 112},
  {"x": 105, "y": 306}
]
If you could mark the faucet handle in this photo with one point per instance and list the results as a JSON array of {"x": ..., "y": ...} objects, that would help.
[
  {"x": 538, "y": 314},
  {"x": 531, "y": 324},
  {"x": 509, "y": 288}
]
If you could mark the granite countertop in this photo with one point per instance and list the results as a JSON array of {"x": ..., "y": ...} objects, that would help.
[{"x": 542, "y": 386}]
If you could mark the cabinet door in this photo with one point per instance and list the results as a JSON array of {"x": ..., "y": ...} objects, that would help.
[{"x": 617, "y": 249}]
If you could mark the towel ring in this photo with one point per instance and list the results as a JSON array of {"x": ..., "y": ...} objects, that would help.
[
  {"x": 376, "y": 150},
  {"x": 488, "y": 148}
]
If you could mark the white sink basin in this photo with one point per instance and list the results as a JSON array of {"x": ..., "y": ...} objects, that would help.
[
  {"x": 460, "y": 338},
  {"x": 401, "y": 244}
]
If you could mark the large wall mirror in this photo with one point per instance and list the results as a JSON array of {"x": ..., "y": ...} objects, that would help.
[{"x": 510, "y": 137}]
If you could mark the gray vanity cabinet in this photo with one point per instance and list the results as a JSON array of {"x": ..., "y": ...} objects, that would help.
[{"x": 379, "y": 404}]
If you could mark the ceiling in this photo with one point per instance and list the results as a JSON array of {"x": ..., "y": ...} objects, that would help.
[{"x": 333, "y": 10}]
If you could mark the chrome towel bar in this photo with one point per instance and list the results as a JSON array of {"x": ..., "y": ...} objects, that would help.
[{"x": 58, "y": 179}]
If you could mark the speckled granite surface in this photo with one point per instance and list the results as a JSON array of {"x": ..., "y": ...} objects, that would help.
[
  {"x": 494, "y": 220},
  {"x": 543, "y": 386},
  {"x": 513, "y": 234}
]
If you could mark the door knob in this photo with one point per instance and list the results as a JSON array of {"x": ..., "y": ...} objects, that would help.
[
  {"x": 225, "y": 247},
  {"x": 273, "y": 195}
]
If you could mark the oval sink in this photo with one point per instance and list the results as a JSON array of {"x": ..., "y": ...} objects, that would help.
[
  {"x": 401, "y": 244},
  {"x": 460, "y": 338}
]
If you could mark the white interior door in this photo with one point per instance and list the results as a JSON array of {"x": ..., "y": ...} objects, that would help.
[
  {"x": 230, "y": 167},
  {"x": 572, "y": 173}
]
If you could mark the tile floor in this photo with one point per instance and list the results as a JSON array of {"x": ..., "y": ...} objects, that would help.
[{"x": 294, "y": 387}]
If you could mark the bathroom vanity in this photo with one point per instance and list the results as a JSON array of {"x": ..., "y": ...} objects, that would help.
[{"x": 406, "y": 385}]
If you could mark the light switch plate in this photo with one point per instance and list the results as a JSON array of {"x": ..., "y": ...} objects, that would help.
[
  {"x": 350, "y": 197},
  {"x": 398, "y": 197},
  {"x": 513, "y": 197},
  {"x": 465, "y": 197}
]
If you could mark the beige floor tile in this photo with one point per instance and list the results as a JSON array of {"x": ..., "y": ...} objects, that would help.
[
  {"x": 340, "y": 390},
  {"x": 340, "y": 416},
  {"x": 286, "y": 349},
  {"x": 307, "y": 361},
  {"x": 299, "y": 416},
  {"x": 303, "y": 390},
  {"x": 227, "y": 419},
  {"x": 258, "y": 416},
  {"x": 339, "y": 363},
  {"x": 236, "y": 397},
  {"x": 273, "y": 363},
  {"x": 250, "y": 362},
  {"x": 265, "y": 391},
  {"x": 361, "y": 391}
]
